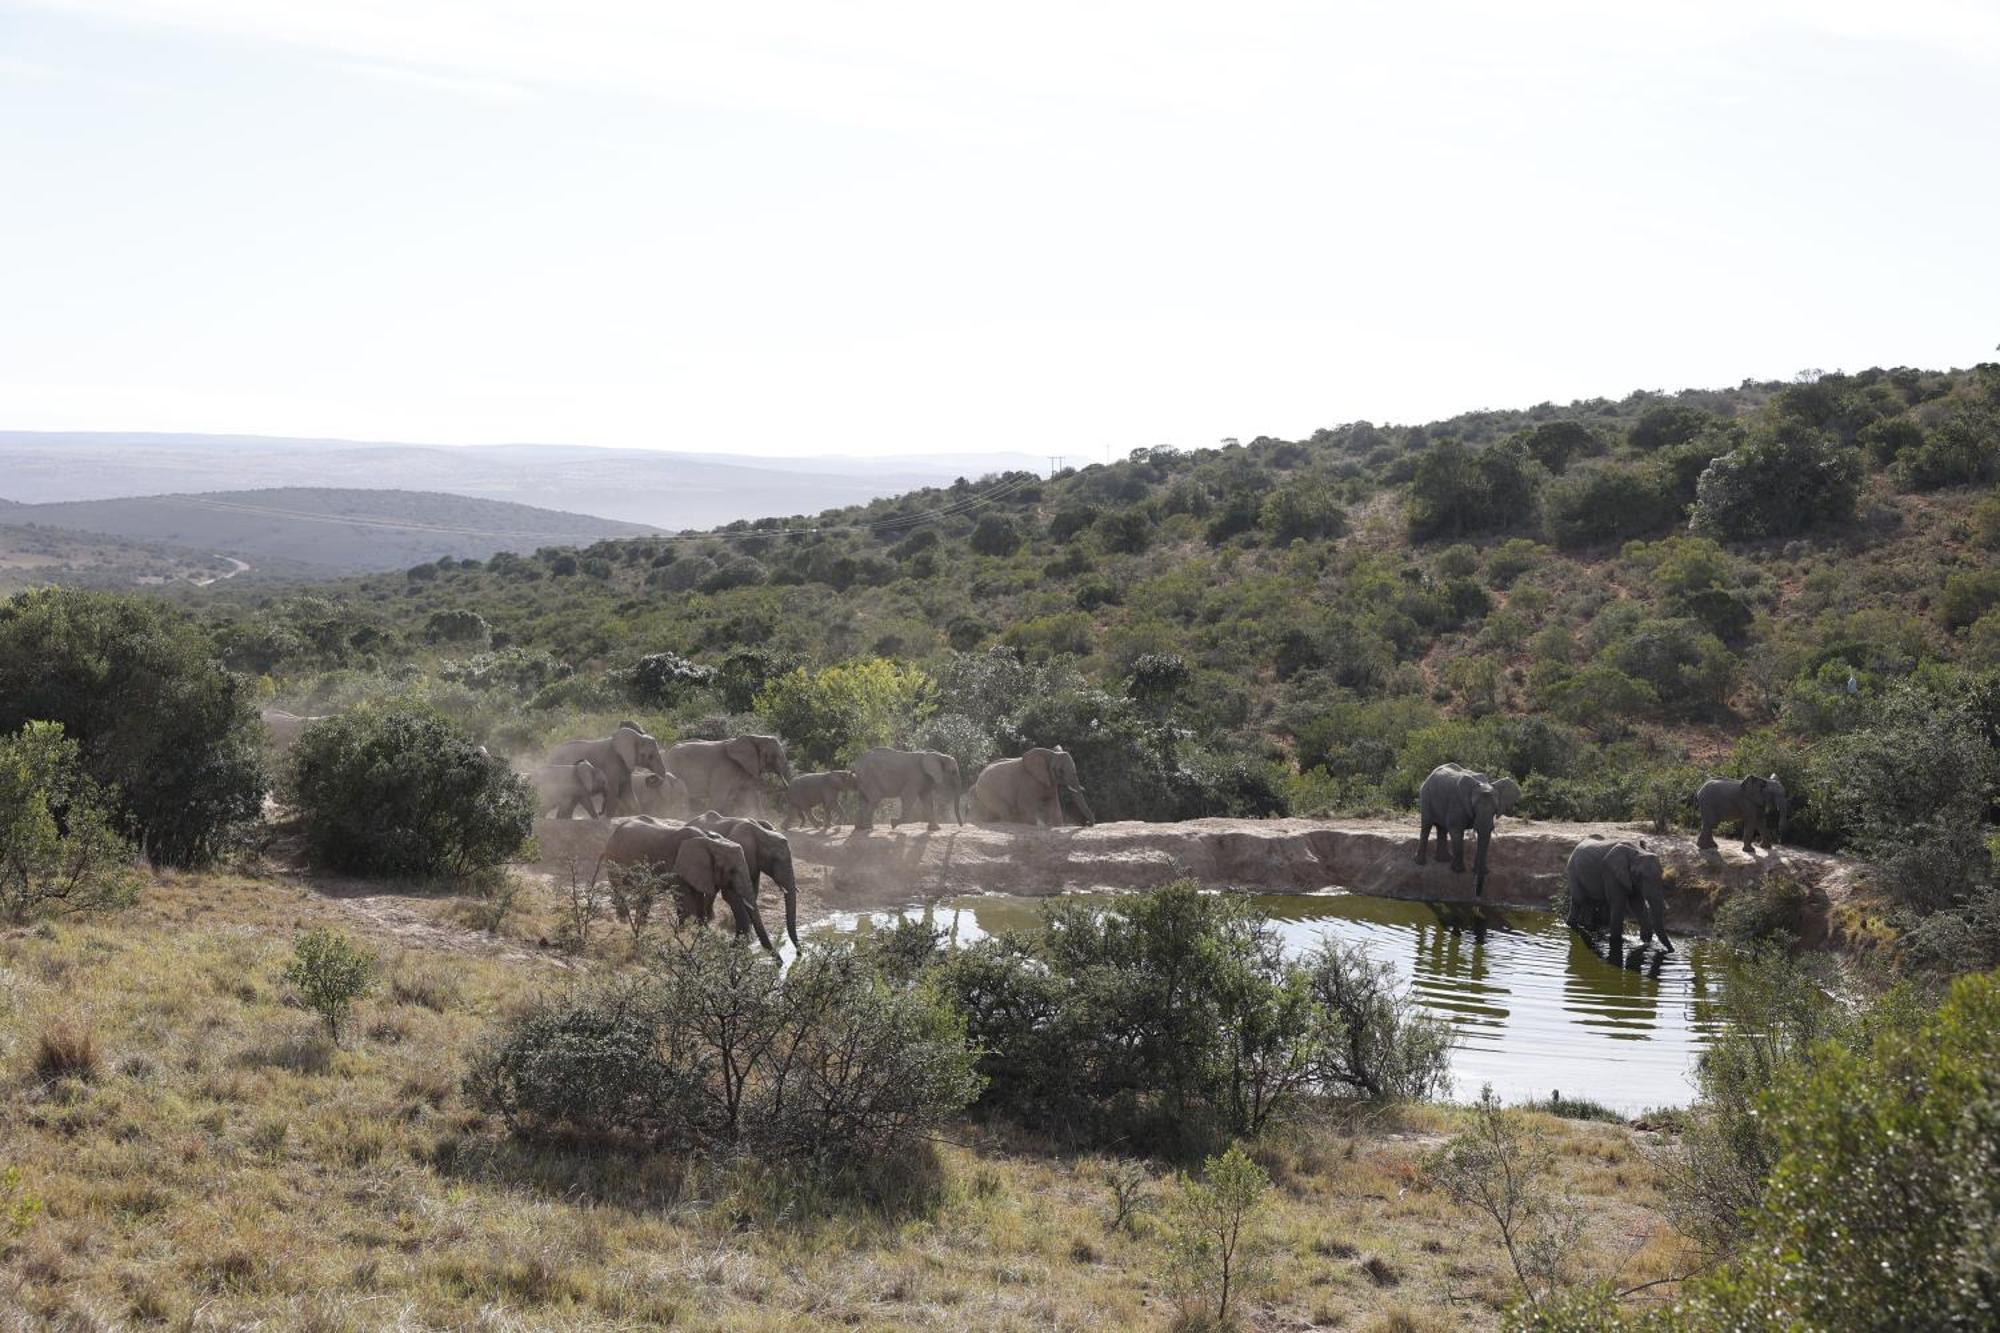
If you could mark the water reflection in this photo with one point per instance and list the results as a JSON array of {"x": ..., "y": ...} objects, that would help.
[{"x": 1536, "y": 1007}]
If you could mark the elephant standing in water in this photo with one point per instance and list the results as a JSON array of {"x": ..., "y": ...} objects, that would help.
[
  {"x": 729, "y": 775},
  {"x": 1749, "y": 799},
  {"x": 1029, "y": 790},
  {"x": 814, "y": 798},
  {"x": 706, "y": 863},
  {"x": 616, "y": 756},
  {"x": 914, "y": 778},
  {"x": 561, "y": 788},
  {"x": 1610, "y": 880},
  {"x": 1455, "y": 799},
  {"x": 769, "y": 852}
]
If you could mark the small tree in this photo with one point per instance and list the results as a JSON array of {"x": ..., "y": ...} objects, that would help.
[
  {"x": 996, "y": 535},
  {"x": 666, "y": 678},
  {"x": 1502, "y": 1168},
  {"x": 1216, "y": 1253},
  {"x": 1778, "y": 484},
  {"x": 58, "y": 851},
  {"x": 330, "y": 974}
]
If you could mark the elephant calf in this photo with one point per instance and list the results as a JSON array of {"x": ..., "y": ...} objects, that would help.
[
  {"x": 1609, "y": 881},
  {"x": 661, "y": 795},
  {"x": 814, "y": 798},
  {"x": 561, "y": 788}
]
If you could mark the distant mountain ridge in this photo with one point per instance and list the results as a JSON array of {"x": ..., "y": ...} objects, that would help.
[
  {"x": 326, "y": 530},
  {"x": 660, "y": 489}
]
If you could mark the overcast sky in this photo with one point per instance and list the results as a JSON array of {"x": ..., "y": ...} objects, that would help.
[{"x": 820, "y": 227}]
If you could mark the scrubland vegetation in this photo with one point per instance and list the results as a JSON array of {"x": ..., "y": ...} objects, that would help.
[{"x": 236, "y": 1088}]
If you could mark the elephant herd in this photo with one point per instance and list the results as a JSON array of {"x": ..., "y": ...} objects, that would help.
[{"x": 1607, "y": 880}]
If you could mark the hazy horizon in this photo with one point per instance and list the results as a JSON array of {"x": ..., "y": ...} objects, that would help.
[{"x": 899, "y": 229}]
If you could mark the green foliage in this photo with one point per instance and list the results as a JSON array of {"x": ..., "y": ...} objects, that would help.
[
  {"x": 711, "y": 1049},
  {"x": 1605, "y": 502},
  {"x": 1504, "y": 1168},
  {"x": 18, "y": 1208},
  {"x": 403, "y": 791},
  {"x": 1459, "y": 492},
  {"x": 1778, "y": 484},
  {"x": 1601, "y": 699},
  {"x": 828, "y": 718},
  {"x": 1555, "y": 444},
  {"x": 1668, "y": 424},
  {"x": 1963, "y": 449},
  {"x": 457, "y": 626},
  {"x": 996, "y": 535},
  {"x": 1305, "y": 509},
  {"x": 156, "y": 719},
  {"x": 1215, "y": 1255},
  {"x": 330, "y": 973},
  {"x": 665, "y": 680},
  {"x": 1968, "y": 596},
  {"x": 58, "y": 851},
  {"x": 1687, "y": 667}
]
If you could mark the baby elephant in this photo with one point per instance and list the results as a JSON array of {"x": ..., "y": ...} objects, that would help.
[
  {"x": 561, "y": 788},
  {"x": 818, "y": 792}
]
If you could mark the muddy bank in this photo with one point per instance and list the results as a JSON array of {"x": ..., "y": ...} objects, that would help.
[{"x": 850, "y": 869}]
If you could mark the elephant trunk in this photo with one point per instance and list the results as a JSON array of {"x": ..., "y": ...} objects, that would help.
[
  {"x": 788, "y": 884},
  {"x": 1082, "y": 805},
  {"x": 1656, "y": 907}
]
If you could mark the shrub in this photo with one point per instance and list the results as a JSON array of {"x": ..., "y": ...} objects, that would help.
[
  {"x": 1216, "y": 1255},
  {"x": 829, "y": 717},
  {"x": 1604, "y": 502},
  {"x": 1376, "y": 1042},
  {"x": 742, "y": 572},
  {"x": 712, "y": 1049},
  {"x": 1305, "y": 509},
  {"x": 996, "y": 535},
  {"x": 161, "y": 727},
  {"x": 1685, "y": 665},
  {"x": 1601, "y": 698},
  {"x": 1667, "y": 424},
  {"x": 330, "y": 973},
  {"x": 1986, "y": 522},
  {"x": 1504, "y": 1168},
  {"x": 1961, "y": 450},
  {"x": 1125, "y": 531},
  {"x": 66, "y": 1049},
  {"x": 1968, "y": 596},
  {"x": 403, "y": 791},
  {"x": 666, "y": 679},
  {"x": 1458, "y": 492},
  {"x": 1513, "y": 558},
  {"x": 58, "y": 852},
  {"x": 1763, "y": 915},
  {"x": 1778, "y": 484},
  {"x": 457, "y": 626}
]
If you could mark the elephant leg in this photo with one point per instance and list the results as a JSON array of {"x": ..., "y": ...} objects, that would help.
[
  {"x": 1423, "y": 842},
  {"x": 1457, "y": 850},
  {"x": 866, "y": 817},
  {"x": 1707, "y": 839},
  {"x": 1750, "y": 823},
  {"x": 748, "y": 918}
]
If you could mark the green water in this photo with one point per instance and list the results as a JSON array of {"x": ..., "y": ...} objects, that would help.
[{"x": 1536, "y": 1010}]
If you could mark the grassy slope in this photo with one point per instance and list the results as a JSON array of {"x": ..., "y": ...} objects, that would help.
[
  {"x": 304, "y": 526},
  {"x": 226, "y": 1167}
]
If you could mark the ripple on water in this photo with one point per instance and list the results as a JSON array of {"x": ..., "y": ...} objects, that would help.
[{"x": 1536, "y": 1010}]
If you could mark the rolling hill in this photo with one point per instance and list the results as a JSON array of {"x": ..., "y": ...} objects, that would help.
[
  {"x": 660, "y": 489},
  {"x": 315, "y": 531}
]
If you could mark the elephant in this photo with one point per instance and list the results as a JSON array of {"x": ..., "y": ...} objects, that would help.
[
  {"x": 1029, "y": 790},
  {"x": 706, "y": 863},
  {"x": 768, "y": 851},
  {"x": 914, "y": 777},
  {"x": 1454, "y": 799},
  {"x": 661, "y": 795},
  {"x": 1749, "y": 799},
  {"x": 616, "y": 756},
  {"x": 809, "y": 792},
  {"x": 1609, "y": 880},
  {"x": 561, "y": 788},
  {"x": 729, "y": 775}
]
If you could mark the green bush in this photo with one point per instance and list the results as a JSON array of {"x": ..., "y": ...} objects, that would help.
[
  {"x": 1685, "y": 665},
  {"x": 1606, "y": 502},
  {"x": 996, "y": 535},
  {"x": 170, "y": 736},
  {"x": 711, "y": 1049},
  {"x": 403, "y": 791},
  {"x": 1961, "y": 450},
  {"x": 59, "y": 854},
  {"x": 1778, "y": 484},
  {"x": 330, "y": 973},
  {"x": 665, "y": 680},
  {"x": 1968, "y": 596},
  {"x": 1459, "y": 492},
  {"x": 1666, "y": 424},
  {"x": 1217, "y": 1256},
  {"x": 1306, "y": 509}
]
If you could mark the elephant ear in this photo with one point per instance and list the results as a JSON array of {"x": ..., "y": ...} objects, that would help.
[
  {"x": 933, "y": 766},
  {"x": 1041, "y": 765},
  {"x": 1620, "y": 861},
  {"x": 743, "y": 752},
  {"x": 625, "y": 744},
  {"x": 1506, "y": 793},
  {"x": 1755, "y": 788}
]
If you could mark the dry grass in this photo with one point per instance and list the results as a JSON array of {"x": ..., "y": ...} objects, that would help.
[{"x": 225, "y": 1168}]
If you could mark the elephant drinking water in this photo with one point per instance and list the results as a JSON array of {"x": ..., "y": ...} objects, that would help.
[
  {"x": 1609, "y": 880},
  {"x": 1455, "y": 799},
  {"x": 1029, "y": 790},
  {"x": 914, "y": 778},
  {"x": 729, "y": 775}
]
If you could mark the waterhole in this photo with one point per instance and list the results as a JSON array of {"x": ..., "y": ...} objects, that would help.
[{"x": 1536, "y": 1009}]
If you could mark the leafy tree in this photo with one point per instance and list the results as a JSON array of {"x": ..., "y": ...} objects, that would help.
[
  {"x": 665, "y": 679},
  {"x": 58, "y": 851},
  {"x": 330, "y": 973},
  {"x": 831, "y": 716},
  {"x": 1778, "y": 484},
  {"x": 1963, "y": 449},
  {"x": 1604, "y": 502},
  {"x": 1667, "y": 424},
  {"x": 1557, "y": 443},
  {"x": 996, "y": 535},
  {"x": 745, "y": 673},
  {"x": 457, "y": 626},
  {"x": 1214, "y": 1248},
  {"x": 157, "y": 721},
  {"x": 1126, "y": 531},
  {"x": 1459, "y": 492},
  {"x": 1305, "y": 509},
  {"x": 1504, "y": 1168},
  {"x": 404, "y": 791}
]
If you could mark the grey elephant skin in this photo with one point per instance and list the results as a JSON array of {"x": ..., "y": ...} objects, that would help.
[
  {"x": 1760, "y": 803},
  {"x": 1454, "y": 799},
  {"x": 561, "y": 788},
  {"x": 616, "y": 756},
  {"x": 769, "y": 852},
  {"x": 814, "y": 798},
  {"x": 1609, "y": 881},
  {"x": 706, "y": 863},
  {"x": 1030, "y": 790},
  {"x": 915, "y": 779},
  {"x": 661, "y": 795},
  {"x": 729, "y": 775}
]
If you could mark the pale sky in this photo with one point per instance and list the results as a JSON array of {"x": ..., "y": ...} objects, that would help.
[{"x": 818, "y": 227}]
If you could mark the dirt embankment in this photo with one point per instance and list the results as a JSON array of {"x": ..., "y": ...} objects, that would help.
[{"x": 849, "y": 869}]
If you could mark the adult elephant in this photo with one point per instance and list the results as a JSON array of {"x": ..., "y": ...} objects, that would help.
[
  {"x": 768, "y": 851},
  {"x": 1749, "y": 799},
  {"x": 1454, "y": 799},
  {"x": 915, "y": 778},
  {"x": 1029, "y": 790},
  {"x": 1609, "y": 881},
  {"x": 561, "y": 788},
  {"x": 661, "y": 795},
  {"x": 616, "y": 756},
  {"x": 707, "y": 863},
  {"x": 729, "y": 775}
]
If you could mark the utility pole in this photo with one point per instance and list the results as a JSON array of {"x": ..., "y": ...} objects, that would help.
[{"x": 1055, "y": 465}]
